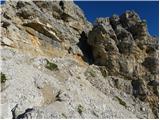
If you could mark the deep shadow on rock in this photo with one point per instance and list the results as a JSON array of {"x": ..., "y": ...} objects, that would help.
[{"x": 85, "y": 48}]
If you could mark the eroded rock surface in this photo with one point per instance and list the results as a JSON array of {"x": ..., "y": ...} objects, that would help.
[
  {"x": 56, "y": 64},
  {"x": 123, "y": 45}
]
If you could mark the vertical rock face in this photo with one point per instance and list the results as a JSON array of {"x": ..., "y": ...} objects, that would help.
[
  {"x": 124, "y": 46},
  {"x": 58, "y": 65},
  {"x": 39, "y": 24}
]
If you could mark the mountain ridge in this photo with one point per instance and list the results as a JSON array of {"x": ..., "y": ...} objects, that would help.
[{"x": 56, "y": 64}]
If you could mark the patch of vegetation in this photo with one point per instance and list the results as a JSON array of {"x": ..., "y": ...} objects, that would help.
[
  {"x": 3, "y": 78},
  {"x": 4, "y": 59},
  {"x": 80, "y": 109},
  {"x": 64, "y": 115},
  {"x": 51, "y": 66},
  {"x": 78, "y": 77},
  {"x": 92, "y": 73},
  {"x": 95, "y": 114},
  {"x": 121, "y": 101}
]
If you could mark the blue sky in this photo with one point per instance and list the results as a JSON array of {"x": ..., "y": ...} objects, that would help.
[
  {"x": 146, "y": 9},
  {"x": 2, "y": 1}
]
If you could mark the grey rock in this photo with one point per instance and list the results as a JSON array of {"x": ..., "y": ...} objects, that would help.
[{"x": 108, "y": 69}]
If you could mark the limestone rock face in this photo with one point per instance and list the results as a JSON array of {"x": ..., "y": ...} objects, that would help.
[
  {"x": 38, "y": 23},
  {"x": 124, "y": 46},
  {"x": 56, "y": 64}
]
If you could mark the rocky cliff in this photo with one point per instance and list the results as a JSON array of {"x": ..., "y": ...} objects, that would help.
[{"x": 56, "y": 64}]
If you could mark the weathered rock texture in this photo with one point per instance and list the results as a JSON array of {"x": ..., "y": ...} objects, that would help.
[
  {"x": 123, "y": 45},
  {"x": 55, "y": 64},
  {"x": 42, "y": 27}
]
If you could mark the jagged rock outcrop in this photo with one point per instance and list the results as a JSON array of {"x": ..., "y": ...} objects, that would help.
[
  {"x": 123, "y": 45},
  {"x": 41, "y": 26},
  {"x": 56, "y": 64}
]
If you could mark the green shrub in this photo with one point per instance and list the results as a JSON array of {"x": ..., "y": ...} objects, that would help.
[
  {"x": 80, "y": 109},
  {"x": 121, "y": 101},
  {"x": 3, "y": 78},
  {"x": 64, "y": 115},
  {"x": 92, "y": 73},
  {"x": 51, "y": 66}
]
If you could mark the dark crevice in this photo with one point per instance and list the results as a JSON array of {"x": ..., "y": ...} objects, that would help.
[
  {"x": 85, "y": 48},
  {"x": 21, "y": 4},
  {"x": 61, "y": 4},
  {"x": 138, "y": 89},
  {"x": 20, "y": 116},
  {"x": 6, "y": 16},
  {"x": 5, "y": 24}
]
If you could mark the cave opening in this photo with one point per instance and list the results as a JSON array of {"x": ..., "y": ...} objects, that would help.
[{"x": 85, "y": 48}]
